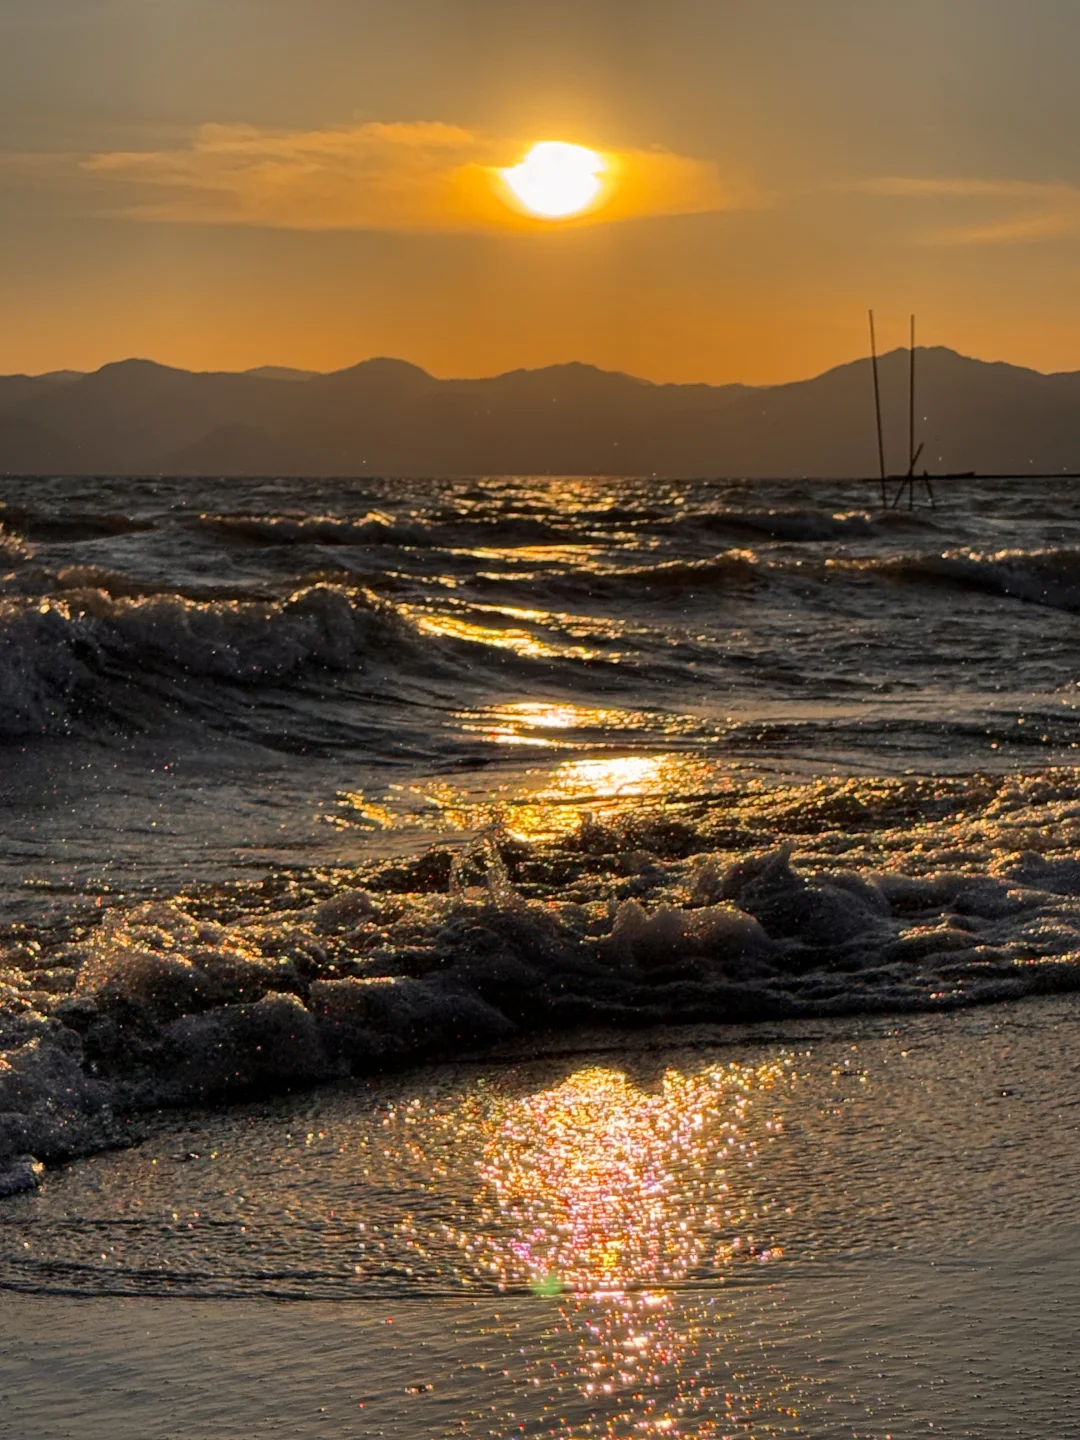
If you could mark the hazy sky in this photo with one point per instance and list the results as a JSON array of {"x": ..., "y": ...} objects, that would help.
[{"x": 227, "y": 183}]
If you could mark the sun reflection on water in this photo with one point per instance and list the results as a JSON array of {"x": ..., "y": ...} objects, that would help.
[
  {"x": 521, "y": 642},
  {"x": 601, "y": 788},
  {"x": 547, "y": 724},
  {"x": 612, "y": 1200},
  {"x": 623, "y": 777},
  {"x": 541, "y": 805},
  {"x": 569, "y": 555},
  {"x": 603, "y": 1186}
]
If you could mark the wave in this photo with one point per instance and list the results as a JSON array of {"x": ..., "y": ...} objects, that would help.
[
  {"x": 797, "y": 526},
  {"x": 651, "y": 917},
  {"x": 66, "y": 655},
  {"x": 377, "y": 528},
  {"x": 75, "y": 658},
  {"x": 70, "y": 526},
  {"x": 681, "y": 577},
  {"x": 675, "y": 579},
  {"x": 1048, "y": 577}
]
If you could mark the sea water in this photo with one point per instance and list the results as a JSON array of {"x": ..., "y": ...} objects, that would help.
[
  {"x": 311, "y": 780},
  {"x": 306, "y": 778},
  {"x": 861, "y": 1229}
]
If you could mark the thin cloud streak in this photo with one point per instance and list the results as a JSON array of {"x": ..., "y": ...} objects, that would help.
[
  {"x": 426, "y": 176},
  {"x": 1042, "y": 210}
]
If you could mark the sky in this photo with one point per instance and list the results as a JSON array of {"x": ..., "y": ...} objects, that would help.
[{"x": 220, "y": 184}]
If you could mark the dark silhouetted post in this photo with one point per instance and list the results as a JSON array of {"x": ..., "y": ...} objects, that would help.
[
  {"x": 877, "y": 412},
  {"x": 911, "y": 403},
  {"x": 913, "y": 452}
]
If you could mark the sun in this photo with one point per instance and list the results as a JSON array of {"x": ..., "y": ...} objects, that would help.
[{"x": 556, "y": 179}]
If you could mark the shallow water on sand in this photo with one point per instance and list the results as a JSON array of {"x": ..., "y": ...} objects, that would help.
[{"x": 850, "y": 1229}]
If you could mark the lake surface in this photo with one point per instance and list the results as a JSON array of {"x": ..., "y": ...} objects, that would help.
[
  {"x": 463, "y": 801},
  {"x": 302, "y": 778},
  {"x": 209, "y": 677},
  {"x": 859, "y": 1229}
]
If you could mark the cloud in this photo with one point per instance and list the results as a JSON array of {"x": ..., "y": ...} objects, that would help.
[
  {"x": 1034, "y": 210},
  {"x": 415, "y": 176}
]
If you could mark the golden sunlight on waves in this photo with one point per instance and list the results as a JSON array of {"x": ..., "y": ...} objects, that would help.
[
  {"x": 628, "y": 775},
  {"x": 613, "y": 1198},
  {"x": 559, "y": 802},
  {"x": 521, "y": 642},
  {"x": 549, "y": 725},
  {"x": 605, "y": 786},
  {"x": 597, "y": 1185}
]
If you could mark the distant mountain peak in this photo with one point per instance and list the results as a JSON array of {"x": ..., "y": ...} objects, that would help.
[
  {"x": 574, "y": 367},
  {"x": 136, "y": 365},
  {"x": 386, "y": 416},
  {"x": 382, "y": 364}
]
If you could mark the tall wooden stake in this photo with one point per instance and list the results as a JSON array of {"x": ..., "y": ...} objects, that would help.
[
  {"x": 912, "y": 457},
  {"x": 911, "y": 400},
  {"x": 877, "y": 412}
]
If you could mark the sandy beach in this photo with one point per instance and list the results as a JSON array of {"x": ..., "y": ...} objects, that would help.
[{"x": 860, "y": 1228}]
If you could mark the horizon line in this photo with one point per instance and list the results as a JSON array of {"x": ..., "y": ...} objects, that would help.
[{"x": 298, "y": 374}]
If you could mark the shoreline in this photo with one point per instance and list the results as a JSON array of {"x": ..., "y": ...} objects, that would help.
[
  {"x": 898, "y": 1242},
  {"x": 769, "y": 902}
]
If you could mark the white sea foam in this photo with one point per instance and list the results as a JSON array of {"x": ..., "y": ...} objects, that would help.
[
  {"x": 888, "y": 894},
  {"x": 12, "y": 548}
]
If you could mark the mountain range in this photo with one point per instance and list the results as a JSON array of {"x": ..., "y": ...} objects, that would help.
[{"x": 387, "y": 417}]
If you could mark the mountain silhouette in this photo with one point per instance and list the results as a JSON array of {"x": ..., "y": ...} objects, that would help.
[{"x": 388, "y": 417}]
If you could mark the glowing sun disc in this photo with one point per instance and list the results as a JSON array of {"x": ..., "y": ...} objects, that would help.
[{"x": 556, "y": 179}]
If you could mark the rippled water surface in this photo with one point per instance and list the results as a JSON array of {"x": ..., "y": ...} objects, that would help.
[
  {"x": 205, "y": 675},
  {"x": 432, "y": 794},
  {"x": 862, "y": 1229}
]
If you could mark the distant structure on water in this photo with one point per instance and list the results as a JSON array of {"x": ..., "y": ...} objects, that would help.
[{"x": 906, "y": 482}]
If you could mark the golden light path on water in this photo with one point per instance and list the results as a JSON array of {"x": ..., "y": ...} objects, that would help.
[
  {"x": 616, "y": 1201},
  {"x": 520, "y": 642},
  {"x": 561, "y": 1249},
  {"x": 608, "y": 1187},
  {"x": 552, "y": 803}
]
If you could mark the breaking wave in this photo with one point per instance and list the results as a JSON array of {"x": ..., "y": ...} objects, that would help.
[
  {"x": 1048, "y": 577},
  {"x": 76, "y": 653},
  {"x": 836, "y": 897}
]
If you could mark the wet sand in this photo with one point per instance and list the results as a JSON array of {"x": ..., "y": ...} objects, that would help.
[
  {"x": 868, "y": 1348},
  {"x": 862, "y": 1229}
]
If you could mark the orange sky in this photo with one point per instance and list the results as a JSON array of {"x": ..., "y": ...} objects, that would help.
[{"x": 229, "y": 183}]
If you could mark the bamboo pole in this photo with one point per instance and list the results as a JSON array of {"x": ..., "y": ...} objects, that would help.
[{"x": 877, "y": 412}]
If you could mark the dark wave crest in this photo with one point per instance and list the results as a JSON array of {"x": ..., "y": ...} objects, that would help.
[
  {"x": 78, "y": 653},
  {"x": 377, "y": 528},
  {"x": 1048, "y": 577}
]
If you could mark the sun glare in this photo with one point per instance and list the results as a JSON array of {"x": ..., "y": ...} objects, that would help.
[{"x": 556, "y": 179}]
